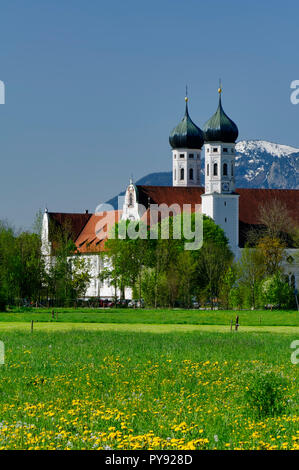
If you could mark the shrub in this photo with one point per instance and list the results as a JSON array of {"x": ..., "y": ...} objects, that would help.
[
  {"x": 276, "y": 291},
  {"x": 265, "y": 395}
]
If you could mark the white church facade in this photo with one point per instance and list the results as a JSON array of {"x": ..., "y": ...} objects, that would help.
[{"x": 235, "y": 210}]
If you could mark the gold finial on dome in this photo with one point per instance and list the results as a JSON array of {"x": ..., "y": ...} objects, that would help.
[
  {"x": 186, "y": 96},
  {"x": 220, "y": 87}
]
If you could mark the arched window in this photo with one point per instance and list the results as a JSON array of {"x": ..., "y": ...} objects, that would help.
[
  {"x": 224, "y": 169},
  {"x": 191, "y": 174},
  {"x": 215, "y": 172},
  {"x": 208, "y": 170},
  {"x": 182, "y": 174},
  {"x": 232, "y": 170},
  {"x": 174, "y": 174}
]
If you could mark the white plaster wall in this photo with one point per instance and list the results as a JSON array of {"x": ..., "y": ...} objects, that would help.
[
  {"x": 292, "y": 267},
  {"x": 215, "y": 183},
  {"x": 224, "y": 210},
  {"x": 98, "y": 288},
  {"x": 186, "y": 163},
  {"x": 132, "y": 211}
]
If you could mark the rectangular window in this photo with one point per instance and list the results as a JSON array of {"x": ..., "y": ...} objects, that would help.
[
  {"x": 182, "y": 155},
  {"x": 191, "y": 155},
  {"x": 225, "y": 150},
  {"x": 215, "y": 149}
]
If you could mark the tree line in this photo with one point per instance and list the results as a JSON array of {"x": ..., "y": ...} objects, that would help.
[
  {"x": 159, "y": 271},
  {"x": 28, "y": 278}
]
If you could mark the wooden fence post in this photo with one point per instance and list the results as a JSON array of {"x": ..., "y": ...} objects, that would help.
[{"x": 237, "y": 323}]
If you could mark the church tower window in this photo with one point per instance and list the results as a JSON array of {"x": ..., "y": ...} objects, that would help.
[
  {"x": 182, "y": 174},
  {"x": 191, "y": 174},
  {"x": 131, "y": 200},
  {"x": 224, "y": 169},
  {"x": 215, "y": 172},
  {"x": 208, "y": 170}
]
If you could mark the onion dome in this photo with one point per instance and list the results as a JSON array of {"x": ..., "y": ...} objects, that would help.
[
  {"x": 186, "y": 134},
  {"x": 220, "y": 128}
]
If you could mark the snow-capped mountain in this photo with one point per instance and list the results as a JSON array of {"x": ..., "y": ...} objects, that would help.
[
  {"x": 259, "y": 164},
  {"x": 262, "y": 164}
]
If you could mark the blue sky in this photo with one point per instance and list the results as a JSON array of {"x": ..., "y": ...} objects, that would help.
[{"x": 93, "y": 89}]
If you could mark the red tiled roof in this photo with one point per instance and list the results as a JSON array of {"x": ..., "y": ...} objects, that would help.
[
  {"x": 93, "y": 236},
  {"x": 169, "y": 195},
  {"x": 252, "y": 199},
  {"x": 74, "y": 223},
  {"x": 249, "y": 202}
]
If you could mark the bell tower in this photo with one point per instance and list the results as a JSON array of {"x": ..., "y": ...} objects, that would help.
[
  {"x": 220, "y": 202},
  {"x": 186, "y": 141}
]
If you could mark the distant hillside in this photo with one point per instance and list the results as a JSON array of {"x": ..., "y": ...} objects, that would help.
[{"x": 259, "y": 164}]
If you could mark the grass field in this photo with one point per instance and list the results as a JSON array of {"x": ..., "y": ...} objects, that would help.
[
  {"x": 68, "y": 388},
  {"x": 132, "y": 316},
  {"x": 143, "y": 327}
]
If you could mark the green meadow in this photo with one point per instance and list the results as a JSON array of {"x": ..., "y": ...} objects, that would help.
[
  {"x": 151, "y": 316},
  {"x": 74, "y": 384}
]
